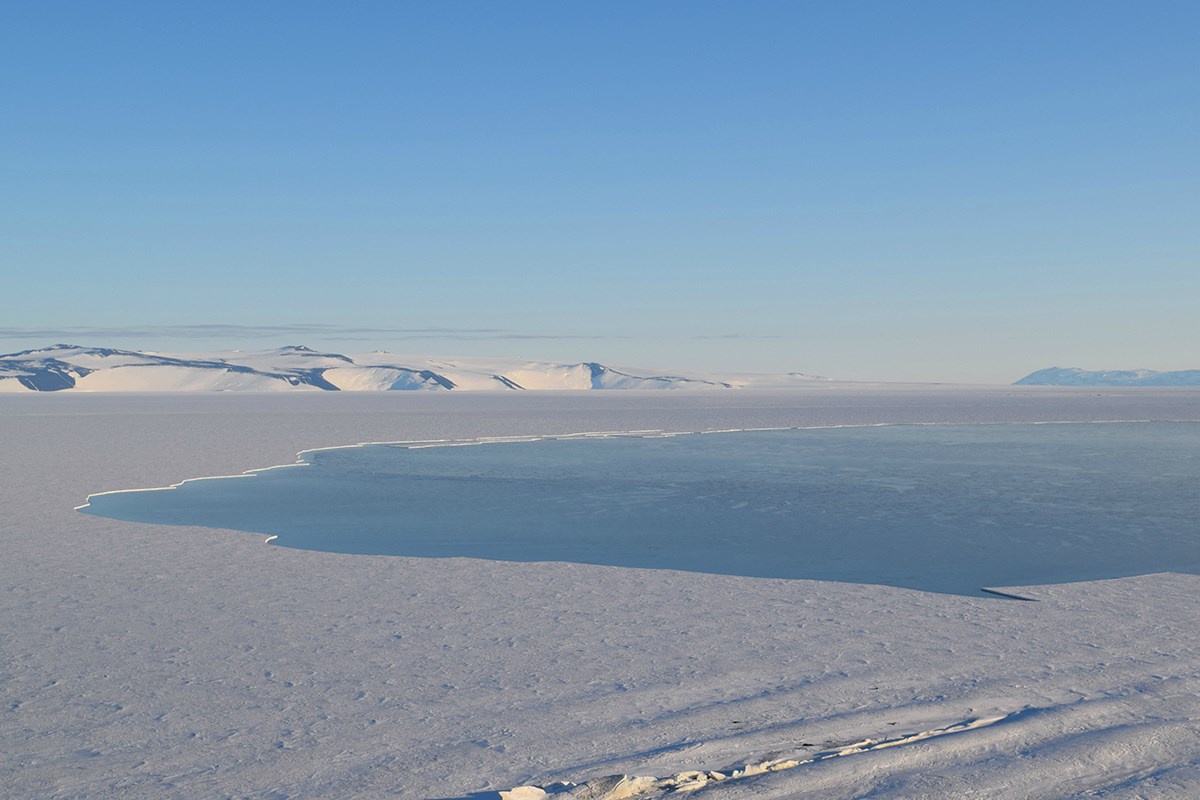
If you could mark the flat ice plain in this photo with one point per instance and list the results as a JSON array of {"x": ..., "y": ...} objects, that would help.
[{"x": 140, "y": 662}]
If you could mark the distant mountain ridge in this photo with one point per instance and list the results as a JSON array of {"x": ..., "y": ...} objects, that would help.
[
  {"x": 66, "y": 367},
  {"x": 1073, "y": 376}
]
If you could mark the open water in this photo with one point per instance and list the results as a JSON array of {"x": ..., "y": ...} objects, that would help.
[{"x": 944, "y": 508}]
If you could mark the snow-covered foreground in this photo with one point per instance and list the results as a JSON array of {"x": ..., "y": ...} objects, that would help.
[{"x": 146, "y": 661}]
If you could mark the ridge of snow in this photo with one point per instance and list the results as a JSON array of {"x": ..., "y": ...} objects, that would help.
[
  {"x": 62, "y": 367},
  {"x": 629, "y": 787}
]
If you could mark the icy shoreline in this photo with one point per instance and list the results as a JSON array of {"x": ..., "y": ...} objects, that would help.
[
  {"x": 418, "y": 444},
  {"x": 137, "y": 662}
]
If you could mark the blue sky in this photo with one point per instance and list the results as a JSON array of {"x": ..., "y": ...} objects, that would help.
[{"x": 943, "y": 191}]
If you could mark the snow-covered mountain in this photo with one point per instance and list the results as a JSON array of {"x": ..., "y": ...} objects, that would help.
[
  {"x": 101, "y": 369},
  {"x": 1073, "y": 376}
]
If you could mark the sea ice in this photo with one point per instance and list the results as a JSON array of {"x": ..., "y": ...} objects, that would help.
[{"x": 140, "y": 662}]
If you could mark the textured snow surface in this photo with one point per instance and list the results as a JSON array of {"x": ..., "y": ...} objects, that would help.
[{"x": 147, "y": 661}]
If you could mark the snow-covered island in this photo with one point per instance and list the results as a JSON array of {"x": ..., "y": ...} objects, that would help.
[
  {"x": 1074, "y": 376},
  {"x": 64, "y": 367}
]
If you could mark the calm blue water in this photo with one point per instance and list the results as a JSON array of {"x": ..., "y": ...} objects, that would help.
[{"x": 939, "y": 508}]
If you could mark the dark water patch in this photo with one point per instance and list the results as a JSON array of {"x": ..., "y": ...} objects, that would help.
[{"x": 938, "y": 508}]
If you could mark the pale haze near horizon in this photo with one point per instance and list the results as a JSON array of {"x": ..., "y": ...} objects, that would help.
[{"x": 869, "y": 192}]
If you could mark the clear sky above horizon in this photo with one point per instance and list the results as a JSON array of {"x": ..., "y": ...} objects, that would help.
[{"x": 865, "y": 190}]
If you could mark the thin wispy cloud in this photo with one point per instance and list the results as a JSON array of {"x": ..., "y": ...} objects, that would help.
[{"x": 333, "y": 332}]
